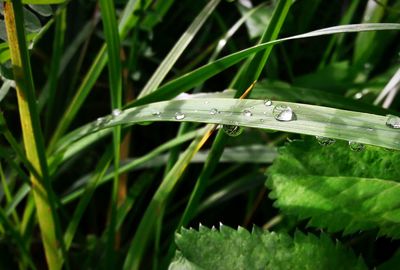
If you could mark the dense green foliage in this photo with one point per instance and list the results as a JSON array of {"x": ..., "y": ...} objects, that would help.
[
  {"x": 125, "y": 122},
  {"x": 339, "y": 189}
]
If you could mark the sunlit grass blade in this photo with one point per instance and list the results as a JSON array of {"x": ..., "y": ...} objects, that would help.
[
  {"x": 309, "y": 119},
  {"x": 173, "y": 55},
  {"x": 32, "y": 135}
]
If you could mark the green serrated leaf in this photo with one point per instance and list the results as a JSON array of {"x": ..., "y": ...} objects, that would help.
[
  {"x": 240, "y": 249},
  {"x": 337, "y": 188}
]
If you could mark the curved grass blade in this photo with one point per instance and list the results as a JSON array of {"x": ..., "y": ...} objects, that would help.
[
  {"x": 311, "y": 120},
  {"x": 194, "y": 78}
]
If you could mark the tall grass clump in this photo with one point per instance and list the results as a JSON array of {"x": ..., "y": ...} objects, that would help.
[{"x": 199, "y": 134}]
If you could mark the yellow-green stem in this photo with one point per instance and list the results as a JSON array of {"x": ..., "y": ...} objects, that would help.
[{"x": 41, "y": 197}]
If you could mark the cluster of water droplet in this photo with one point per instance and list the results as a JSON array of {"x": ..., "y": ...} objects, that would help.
[{"x": 282, "y": 113}]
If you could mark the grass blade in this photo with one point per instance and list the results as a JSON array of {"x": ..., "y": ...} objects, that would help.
[
  {"x": 173, "y": 55},
  {"x": 77, "y": 190},
  {"x": 196, "y": 77},
  {"x": 311, "y": 120},
  {"x": 85, "y": 198},
  {"x": 33, "y": 139},
  {"x": 58, "y": 43},
  {"x": 128, "y": 20},
  {"x": 115, "y": 80}
]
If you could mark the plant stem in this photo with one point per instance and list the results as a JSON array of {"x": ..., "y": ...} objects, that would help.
[{"x": 31, "y": 131}]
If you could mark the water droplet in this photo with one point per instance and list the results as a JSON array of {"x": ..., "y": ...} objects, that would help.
[
  {"x": 247, "y": 113},
  {"x": 393, "y": 121},
  {"x": 283, "y": 113},
  {"x": 213, "y": 111},
  {"x": 358, "y": 95},
  {"x": 367, "y": 66},
  {"x": 179, "y": 116},
  {"x": 100, "y": 121},
  {"x": 136, "y": 75},
  {"x": 232, "y": 130},
  {"x": 356, "y": 147},
  {"x": 262, "y": 120},
  {"x": 116, "y": 112},
  {"x": 157, "y": 113},
  {"x": 267, "y": 102},
  {"x": 324, "y": 140}
]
